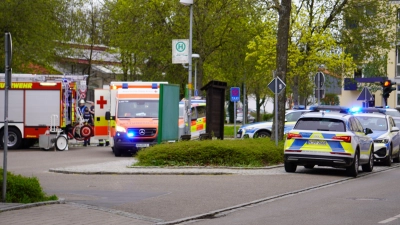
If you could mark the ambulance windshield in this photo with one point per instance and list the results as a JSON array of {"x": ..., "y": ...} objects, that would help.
[{"x": 135, "y": 108}]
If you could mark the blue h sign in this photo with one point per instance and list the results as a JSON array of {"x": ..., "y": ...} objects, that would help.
[{"x": 235, "y": 94}]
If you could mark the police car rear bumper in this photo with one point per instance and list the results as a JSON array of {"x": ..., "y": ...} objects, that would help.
[{"x": 320, "y": 160}]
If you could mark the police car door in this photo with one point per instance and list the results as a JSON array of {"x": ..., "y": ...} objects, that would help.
[
  {"x": 363, "y": 139},
  {"x": 395, "y": 135}
]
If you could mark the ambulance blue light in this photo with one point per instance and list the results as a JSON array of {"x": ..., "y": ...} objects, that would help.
[
  {"x": 154, "y": 86},
  {"x": 355, "y": 109},
  {"x": 387, "y": 107},
  {"x": 130, "y": 134},
  {"x": 124, "y": 85}
]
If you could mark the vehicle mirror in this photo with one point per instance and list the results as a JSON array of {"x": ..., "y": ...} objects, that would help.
[
  {"x": 368, "y": 131},
  {"x": 108, "y": 115},
  {"x": 395, "y": 129}
]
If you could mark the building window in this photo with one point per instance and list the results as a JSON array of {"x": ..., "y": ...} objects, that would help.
[{"x": 397, "y": 61}]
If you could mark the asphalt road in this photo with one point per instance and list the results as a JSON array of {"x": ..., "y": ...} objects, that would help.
[{"x": 173, "y": 199}]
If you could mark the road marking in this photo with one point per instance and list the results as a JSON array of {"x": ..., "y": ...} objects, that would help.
[{"x": 388, "y": 220}]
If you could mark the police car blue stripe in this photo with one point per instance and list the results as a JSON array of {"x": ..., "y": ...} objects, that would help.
[
  {"x": 297, "y": 144},
  {"x": 306, "y": 134},
  {"x": 336, "y": 146},
  {"x": 328, "y": 136}
]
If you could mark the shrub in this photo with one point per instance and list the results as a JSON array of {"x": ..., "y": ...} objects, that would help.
[
  {"x": 22, "y": 189},
  {"x": 236, "y": 153}
]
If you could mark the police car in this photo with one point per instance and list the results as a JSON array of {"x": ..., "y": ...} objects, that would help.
[
  {"x": 329, "y": 139},
  {"x": 264, "y": 129},
  {"x": 385, "y": 134}
]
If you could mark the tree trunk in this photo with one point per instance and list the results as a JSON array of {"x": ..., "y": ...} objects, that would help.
[{"x": 281, "y": 62}]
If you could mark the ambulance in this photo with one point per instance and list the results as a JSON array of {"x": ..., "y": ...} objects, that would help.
[
  {"x": 198, "y": 117},
  {"x": 126, "y": 114},
  {"x": 37, "y": 102}
]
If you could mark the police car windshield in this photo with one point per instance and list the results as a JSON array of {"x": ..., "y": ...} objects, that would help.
[
  {"x": 373, "y": 123},
  {"x": 137, "y": 108},
  {"x": 320, "y": 124}
]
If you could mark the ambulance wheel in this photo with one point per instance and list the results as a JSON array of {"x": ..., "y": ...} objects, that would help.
[
  {"x": 117, "y": 152},
  {"x": 61, "y": 143},
  {"x": 290, "y": 167},
  {"x": 353, "y": 169},
  {"x": 14, "y": 138}
]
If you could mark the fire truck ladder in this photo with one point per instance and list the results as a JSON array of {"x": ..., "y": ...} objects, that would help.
[{"x": 43, "y": 77}]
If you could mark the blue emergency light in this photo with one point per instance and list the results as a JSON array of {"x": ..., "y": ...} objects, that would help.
[
  {"x": 154, "y": 86},
  {"x": 125, "y": 85}
]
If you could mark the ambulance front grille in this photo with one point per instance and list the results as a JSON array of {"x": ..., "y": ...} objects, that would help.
[{"x": 143, "y": 132}]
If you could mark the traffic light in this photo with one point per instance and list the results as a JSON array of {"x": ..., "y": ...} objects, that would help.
[{"x": 387, "y": 88}]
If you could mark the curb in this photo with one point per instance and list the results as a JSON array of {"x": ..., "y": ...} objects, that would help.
[
  {"x": 153, "y": 170},
  {"x": 4, "y": 207}
]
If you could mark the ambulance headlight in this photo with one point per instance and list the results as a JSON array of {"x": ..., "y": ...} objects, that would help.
[{"x": 120, "y": 129}]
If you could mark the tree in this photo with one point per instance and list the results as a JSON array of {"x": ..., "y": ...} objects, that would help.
[{"x": 35, "y": 29}]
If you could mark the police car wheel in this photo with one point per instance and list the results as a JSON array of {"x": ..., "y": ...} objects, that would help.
[
  {"x": 352, "y": 170},
  {"x": 290, "y": 167},
  {"x": 309, "y": 166},
  {"x": 388, "y": 159},
  {"x": 263, "y": 134},
  {"x": 370, "y": 165},
  {"x": 397, "y": 159}
]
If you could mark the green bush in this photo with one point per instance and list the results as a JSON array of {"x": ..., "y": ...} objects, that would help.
[
  {"x": 23, "y": 189},
  {"x": 235, "y": 153}
]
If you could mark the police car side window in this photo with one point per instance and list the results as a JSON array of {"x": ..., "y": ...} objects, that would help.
[
  {"x": 353, "y": 125},
  {"x": 392, "y": 123},
  {"x": 359, "y": 125},
  {"x": 194, "y": 113}
]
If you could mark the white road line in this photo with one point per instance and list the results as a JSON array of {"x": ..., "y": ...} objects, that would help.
[
  {"x": 398, "y": 216},
  {"x": 388, "y": 220}
]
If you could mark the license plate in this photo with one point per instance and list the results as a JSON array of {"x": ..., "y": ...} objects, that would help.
[
  {"x": 142, "y": 145},
  {"x": 316, "y": 142},
  {"x": 238, "y": 135}
]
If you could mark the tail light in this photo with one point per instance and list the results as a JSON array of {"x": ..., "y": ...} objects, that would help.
[
  {"x": 342, "y": 138},
  {"x": 292, "y": 135}
]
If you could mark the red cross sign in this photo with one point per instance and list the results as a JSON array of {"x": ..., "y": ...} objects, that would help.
[{"x": 101, "y": 102}]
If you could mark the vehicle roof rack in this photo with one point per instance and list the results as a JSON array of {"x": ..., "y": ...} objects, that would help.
[{"x": 330, "y": 108}]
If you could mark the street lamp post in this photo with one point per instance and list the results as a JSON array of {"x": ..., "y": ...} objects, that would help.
[
  {"x": 195, "y": 73},
  {"x": 189, "y": 119}
]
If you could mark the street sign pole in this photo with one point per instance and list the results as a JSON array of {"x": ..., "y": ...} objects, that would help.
[
  {"x": 276, "y": 109},
  {"x": 7, "y": 85}
]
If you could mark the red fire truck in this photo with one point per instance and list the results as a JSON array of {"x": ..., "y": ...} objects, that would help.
[{"x": 38, "y": 102}]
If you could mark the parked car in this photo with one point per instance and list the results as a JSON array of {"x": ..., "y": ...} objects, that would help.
[
  {"x": 264, "y": 129},
  {"x": 329, "y": 139},
  {"x": 250, "y": 118},
  {"x": 385, "y": 134}
]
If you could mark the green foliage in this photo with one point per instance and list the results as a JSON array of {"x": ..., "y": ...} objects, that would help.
[
  {"x": 22, "y": 189},
  {"x": 241, "y": 153},
  {"x": 267, "y": 117},
  {"x": 330, "y": 99}
]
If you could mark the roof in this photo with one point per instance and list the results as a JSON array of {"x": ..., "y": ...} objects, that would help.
[
  {"x": 378, "y": 115},
  {"x": 330, "y": 115}
]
